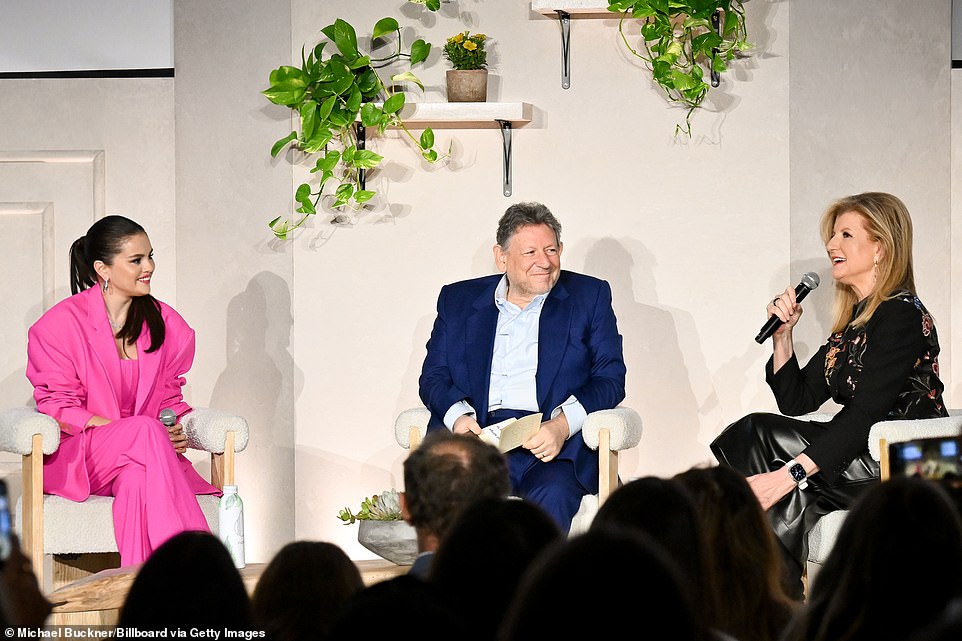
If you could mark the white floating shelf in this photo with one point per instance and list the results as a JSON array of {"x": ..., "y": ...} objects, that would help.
[
  {"x": 465, "y": 115},
  {"x": 576, "y": 8}
]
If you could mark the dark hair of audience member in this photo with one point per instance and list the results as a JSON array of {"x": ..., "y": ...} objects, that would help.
[
  {"x": 895, "y": 566},
  {"x": 188, "y": 582},
  {"x": 302, "y": 590},
  {"x": 446, "y": 473},
  {"x": 485, "y": 553},
  {"x": 611, "y": 582},
  {"x": 403, "y": 605},
  {"x": 663, "y": 509},
  {"x": 743, "y": 561}
]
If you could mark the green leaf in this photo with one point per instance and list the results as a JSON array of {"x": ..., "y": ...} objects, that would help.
[
  {"x": 288, "y": 85},
  {"x": 344, "y": 192},
  {"x": 427, "y": 138},
  {"x": 303, "y": 192},
  {"x": 325, "y": 109},
  {"x": 363, "y": 195},
  {"x": 718, "y": 64},
  {"x": 328, "y": 162},
  {"x": 367, "y": 82},
  {"x": 407, "y": 76},
  {"x": 430, "y": 155},
  {"x": 394, "y": 103},
  {"x": 318, "y": 141},
  {"x": 366, "y": 159},
  {"x": 419, "y": 51},
  {"x": 433, "y": 5},
  {"x": 280, "y": 144},
  {"x": 370, "y": 114},
  {"x": 681, "y": 80},
  {"x": 385, "y": 26},
  {"x": 344, "y": 37},
  {"x": 694, "y": 23},
  {"x": 308, "y": 113},
  {"x": 354, "y": 100}
]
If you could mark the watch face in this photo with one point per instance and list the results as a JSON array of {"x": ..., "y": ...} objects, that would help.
[{"x": 797, "y": 472}]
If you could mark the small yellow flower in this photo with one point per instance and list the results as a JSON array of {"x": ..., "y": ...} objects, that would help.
[
  {"x": 469, "y": 45},
  {"x": 458, "y": 38}
]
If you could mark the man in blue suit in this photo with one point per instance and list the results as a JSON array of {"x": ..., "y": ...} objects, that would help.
[{"x": 534, "y": 339}]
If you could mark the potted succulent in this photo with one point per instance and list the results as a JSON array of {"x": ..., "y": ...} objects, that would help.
[
  {"x": 340, "y": 97},
  {"x": 468, "y": 81},
  {"x": 381, "y": 528},
  {"x": 684, "y": 41}
]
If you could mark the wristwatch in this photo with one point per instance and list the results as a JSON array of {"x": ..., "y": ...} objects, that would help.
[{"x": 798, "y": 473}]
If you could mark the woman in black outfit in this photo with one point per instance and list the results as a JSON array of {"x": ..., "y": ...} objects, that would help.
[{"x": 880, "y": 363}]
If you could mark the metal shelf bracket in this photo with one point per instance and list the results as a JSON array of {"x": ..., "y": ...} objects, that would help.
[
  {"x": 565, "y": 19},
  {"x": 506, "y": 156}
]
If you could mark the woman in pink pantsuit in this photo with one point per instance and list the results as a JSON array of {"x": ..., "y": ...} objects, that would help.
[{"x": 104, "y": 363}]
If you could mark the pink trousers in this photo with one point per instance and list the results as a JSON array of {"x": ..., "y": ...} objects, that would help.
[{"x": 154, "y": 488}]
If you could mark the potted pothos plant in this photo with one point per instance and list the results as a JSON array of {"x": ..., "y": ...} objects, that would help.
[
  {"x": 683, "y": 42},
  {"x": 333, "y": 94}
]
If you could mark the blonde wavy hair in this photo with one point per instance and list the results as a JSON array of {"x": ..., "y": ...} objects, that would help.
[{"x": 888, "y": 222}]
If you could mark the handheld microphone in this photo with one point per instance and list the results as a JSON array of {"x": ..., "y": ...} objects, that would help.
[
  {"x": 808, "y": 283},
  {"x": 168, "y": 417}
]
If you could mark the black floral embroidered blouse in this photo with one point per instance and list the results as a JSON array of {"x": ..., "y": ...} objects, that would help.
[{"x": 887, "y": 369}]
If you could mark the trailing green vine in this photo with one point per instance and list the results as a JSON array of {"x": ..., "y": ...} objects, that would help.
[
  {"x": 682, "y": 46},
  {"x": 331, "y": 96}
]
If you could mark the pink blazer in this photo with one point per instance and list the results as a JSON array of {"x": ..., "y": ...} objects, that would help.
[{"x": 73, "y": 365}]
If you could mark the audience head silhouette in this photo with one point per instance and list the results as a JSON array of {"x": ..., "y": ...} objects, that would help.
[
  {"x": 188, "y": 582},
  {"x": 662, "y": 509},
  {"x": 446, "y": 473},
  {"x": 563, "y": 594},
  {"x": 896, "y": 564},
  {"x": 303, "y": 589},
  {"x": 742, "y": 560},
  {"x": 485, "y": 553}
]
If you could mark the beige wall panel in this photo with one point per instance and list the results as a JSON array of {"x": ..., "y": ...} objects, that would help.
[
  {"x": 235, "y": 285},
  {"x": 24, "y": 277},
  {"x": 870, "y": 112}
]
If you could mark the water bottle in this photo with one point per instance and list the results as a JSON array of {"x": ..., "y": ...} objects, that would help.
[{"x": 231, "y": 519}]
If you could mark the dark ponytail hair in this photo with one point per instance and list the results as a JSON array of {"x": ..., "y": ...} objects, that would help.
[{"x": 103, "y": 242}]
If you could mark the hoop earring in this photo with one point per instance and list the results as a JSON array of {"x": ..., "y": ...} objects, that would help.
[{"x": 106, "y": 285}]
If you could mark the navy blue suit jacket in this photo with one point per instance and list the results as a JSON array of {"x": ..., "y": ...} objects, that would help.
[{"x": 579, "y": 353}]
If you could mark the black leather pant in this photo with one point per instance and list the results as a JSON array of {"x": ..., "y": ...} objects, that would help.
[{"x": 761, "y": 443}]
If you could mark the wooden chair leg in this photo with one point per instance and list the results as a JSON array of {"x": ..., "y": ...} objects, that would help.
[
  {"x": 32, "y": 534},
  {"x": 414, "y": 438},
  {"x": 222, "y": 465},
  {"x": 883, "y": 460},
  {"x": 607, "y": 466}
]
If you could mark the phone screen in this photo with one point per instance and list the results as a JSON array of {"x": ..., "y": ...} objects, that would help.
[
  {"x": 932, "y": 458},
  {"x": 5, "y": 523}
]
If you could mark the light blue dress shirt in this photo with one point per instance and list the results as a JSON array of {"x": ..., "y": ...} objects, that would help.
[{"x": 514, "y": 364}]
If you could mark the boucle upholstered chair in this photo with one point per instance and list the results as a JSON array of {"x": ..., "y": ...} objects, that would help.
[
  {"x": 823, "y": 535},
  {"x": 54, "y": 525},
  {"x": 607, "y": 431}
]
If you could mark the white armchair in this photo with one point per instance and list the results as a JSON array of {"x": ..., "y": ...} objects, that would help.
[
  {"x": 607, "y": 431},
  {"x": 54, "y": 525},
  {"x": 823, "y": 535}
]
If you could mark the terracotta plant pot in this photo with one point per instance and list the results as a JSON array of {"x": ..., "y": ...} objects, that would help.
[{"x": 467, "y": 85}]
